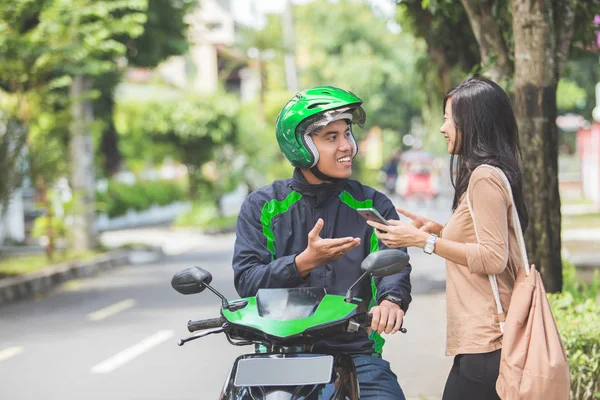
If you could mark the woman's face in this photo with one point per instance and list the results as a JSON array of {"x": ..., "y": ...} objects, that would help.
[{"x": 448, "y": 129}]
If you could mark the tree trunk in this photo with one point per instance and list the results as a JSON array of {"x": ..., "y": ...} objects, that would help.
[
  {"x": 110, "y": 148},
  {"x": 50, "y": 234},
  {"x": 536, "y": 79},
  {"x": 104, "y": 107},
  {"x": 493, "y": 50},
  {"x": 82, "y": 166}
]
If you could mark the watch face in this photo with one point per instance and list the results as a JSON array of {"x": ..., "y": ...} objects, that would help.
[{"x": 428, "y": 247}]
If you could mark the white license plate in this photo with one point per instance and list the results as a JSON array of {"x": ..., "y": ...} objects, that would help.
[{"x": 283, "y": 371}]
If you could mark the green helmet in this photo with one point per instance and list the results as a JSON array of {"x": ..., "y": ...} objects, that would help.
[{"x": 311, "y": 109}]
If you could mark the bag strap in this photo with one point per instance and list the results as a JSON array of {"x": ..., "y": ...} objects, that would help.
[{"x": 518, "y": 231}]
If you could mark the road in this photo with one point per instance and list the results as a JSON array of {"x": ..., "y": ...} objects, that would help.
[{"x": 114, "y": 335}]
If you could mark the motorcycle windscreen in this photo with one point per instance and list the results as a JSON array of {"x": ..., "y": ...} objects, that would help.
[
  {"x": 288, "y": 304},
  {"x": 293, "y": 371}
]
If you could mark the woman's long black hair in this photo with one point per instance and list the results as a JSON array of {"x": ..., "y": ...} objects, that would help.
[{"x": 487, "y": 133}]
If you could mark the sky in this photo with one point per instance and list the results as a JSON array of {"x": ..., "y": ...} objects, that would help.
[{"x": 251, "y": 12}]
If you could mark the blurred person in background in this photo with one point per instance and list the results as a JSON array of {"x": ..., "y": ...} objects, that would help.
[
  {"x": 481, "y": 132},
  {"x": 305, "y": 231},
  {"x": 391, "y": 172}
]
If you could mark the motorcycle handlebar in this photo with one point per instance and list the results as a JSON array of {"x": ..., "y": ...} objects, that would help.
[
  {"x": 201, "y": 324},
  {"x": 369, "y": 319}
]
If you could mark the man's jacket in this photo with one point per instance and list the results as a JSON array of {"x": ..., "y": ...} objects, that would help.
[{"x": 272, "y": 229}]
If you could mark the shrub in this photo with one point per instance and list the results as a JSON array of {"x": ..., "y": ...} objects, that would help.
[
  {"x": 121, "y": 197},
  {"x": 205, "y": 216},
  {"x": 577, "y": 315}
]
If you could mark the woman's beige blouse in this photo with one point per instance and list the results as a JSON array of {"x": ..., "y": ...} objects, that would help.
[{"x": 472, "y": 317}]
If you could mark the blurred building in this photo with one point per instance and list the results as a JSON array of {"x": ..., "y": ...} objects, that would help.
[{"x": 212, "y": 58}]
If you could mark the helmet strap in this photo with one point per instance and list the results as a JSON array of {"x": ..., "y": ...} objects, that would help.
[{"x": 316, "y": 172}]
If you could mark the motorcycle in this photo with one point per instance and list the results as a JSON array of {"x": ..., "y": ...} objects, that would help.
[{"x": 286, "y": 323}]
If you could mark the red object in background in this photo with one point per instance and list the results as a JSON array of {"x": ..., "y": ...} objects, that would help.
[
  {"x": 588, "y": 148},
  {"x": 419, "y": 182}
]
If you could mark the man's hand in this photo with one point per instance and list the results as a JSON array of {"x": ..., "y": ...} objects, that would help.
[
  {"x": 387, "y": 317},
  {"x": 322, "y": 251}
]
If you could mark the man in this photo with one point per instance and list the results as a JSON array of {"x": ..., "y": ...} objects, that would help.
[{"x": 305, "y": 231}]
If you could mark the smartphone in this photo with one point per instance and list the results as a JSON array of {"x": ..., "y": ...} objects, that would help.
[{"x": 371, "y": 214}]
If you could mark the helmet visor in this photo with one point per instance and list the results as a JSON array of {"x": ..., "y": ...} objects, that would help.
[{"x": 356, "y": 115}]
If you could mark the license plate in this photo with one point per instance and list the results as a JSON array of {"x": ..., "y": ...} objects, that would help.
[{"x": 280, "y": 371}]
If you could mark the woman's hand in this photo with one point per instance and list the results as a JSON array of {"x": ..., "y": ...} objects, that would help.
[
  {"x": 399, "y": 234},
  {"x": 422, "y": 223}
]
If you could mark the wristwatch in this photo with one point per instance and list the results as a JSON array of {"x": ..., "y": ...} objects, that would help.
[
  {"x": 430, "y": 244},
  {"x": 393, "y": 299}
]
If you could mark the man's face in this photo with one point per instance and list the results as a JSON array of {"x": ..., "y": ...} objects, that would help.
[{"x": 335, "y": 147}]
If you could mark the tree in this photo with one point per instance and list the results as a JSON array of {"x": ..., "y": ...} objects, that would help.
[
  {"x": 355, "y": 50},
  {"x": 191, "y": 130},
  {"x": 524, "y": 45},
  {"x": 165, "y": 35},
  {"x": 54, "y": 47}
]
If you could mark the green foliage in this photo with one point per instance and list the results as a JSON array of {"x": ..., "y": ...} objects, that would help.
[
  {"x": 189, "y": 130},
  {"x": 577, "y": 314},
  {"x": 82, "y": 35},
  {"x": 21, "y": 265},
  {"x": 578, "y": 289},
  {"x": 40, "y": 227},
  {"x": 165, "y": 33},
  {"x": 345, "y": 44},
  {"x": 569, "y": 96},
  {"x": 582, "y": 70},
  {"x": 579, "y": 325},
  {"x": 205, "y": 216},
  {"x": 120, "y": 197},
  {"x": 263, "y": 161}
]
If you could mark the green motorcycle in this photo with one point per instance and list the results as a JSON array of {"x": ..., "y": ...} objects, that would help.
[{"x": 283, "y": 324}]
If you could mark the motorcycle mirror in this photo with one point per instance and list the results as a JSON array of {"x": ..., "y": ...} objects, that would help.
[
  {"x": 381, "y": 263},
  {"x": 385, "y": 262},
  {"x": 191, "y": 280}
]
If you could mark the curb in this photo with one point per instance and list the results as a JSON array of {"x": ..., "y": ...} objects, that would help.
[{"x": 41, "y": 282}]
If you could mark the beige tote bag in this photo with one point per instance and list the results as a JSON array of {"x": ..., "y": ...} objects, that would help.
[{"x": 533, "y": 363}]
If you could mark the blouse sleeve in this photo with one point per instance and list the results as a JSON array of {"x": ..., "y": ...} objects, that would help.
[{"x": 490, "y": 210}]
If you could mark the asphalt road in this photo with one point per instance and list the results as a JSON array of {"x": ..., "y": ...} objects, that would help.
[{"x": 114, "y": 335}]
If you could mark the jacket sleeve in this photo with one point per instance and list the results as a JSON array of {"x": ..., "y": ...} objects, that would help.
[
  {"x": 397, "y": 285},
  {"x": 253, "y": 263},
  {"x": 490, "y": 208}
]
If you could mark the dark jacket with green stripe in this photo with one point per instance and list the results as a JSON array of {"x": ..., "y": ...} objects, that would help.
[{"x": 273, "y": 227}]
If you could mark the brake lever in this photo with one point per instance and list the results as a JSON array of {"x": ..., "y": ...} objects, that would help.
[{"x": 181, "y": 342}]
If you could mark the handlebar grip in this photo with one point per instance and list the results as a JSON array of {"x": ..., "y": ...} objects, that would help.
[
  {"x": 369, "y": 319},
  {"x": 201, "y": 324}
]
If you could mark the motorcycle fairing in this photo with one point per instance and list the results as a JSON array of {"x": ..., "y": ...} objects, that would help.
[{"x": 331, "y": 310}]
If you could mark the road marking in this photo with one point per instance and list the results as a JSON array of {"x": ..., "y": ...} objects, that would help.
[
  {"x": 10, "y": 352},
  {"x": 111, "y": 310},
  {"x": 132, "y": 352}
]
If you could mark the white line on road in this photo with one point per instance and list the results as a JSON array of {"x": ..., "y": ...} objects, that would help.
[
  {"x": 111, "y": 310},
  {"x": 10, "y": 352},
  {"x": 132, "y": 352}
]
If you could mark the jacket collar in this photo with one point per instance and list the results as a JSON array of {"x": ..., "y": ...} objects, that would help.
[{"x": 321, "y": 192}]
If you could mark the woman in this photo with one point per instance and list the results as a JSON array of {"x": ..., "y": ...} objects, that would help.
[{"x": 480, "y": 128}]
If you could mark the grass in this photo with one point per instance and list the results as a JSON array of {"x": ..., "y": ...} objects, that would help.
[
  {"x": 206, "y": 217},
  {"x": 19, "y": 265},
  {"x": 581, "y": 221},
  {"x": 577, "y": 200}
]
